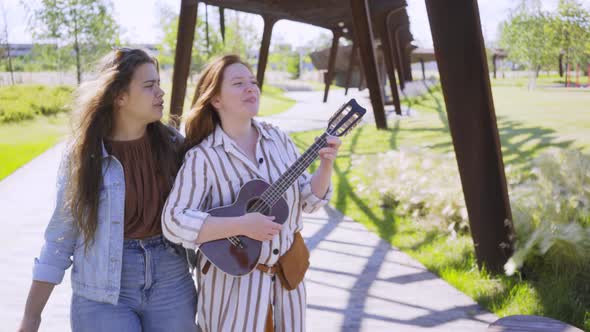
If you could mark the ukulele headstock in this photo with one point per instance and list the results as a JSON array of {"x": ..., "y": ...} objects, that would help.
[{"x": 346, "y": 118}]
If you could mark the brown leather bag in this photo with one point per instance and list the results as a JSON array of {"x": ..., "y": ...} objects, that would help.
[{"x": 292, "y": 266}]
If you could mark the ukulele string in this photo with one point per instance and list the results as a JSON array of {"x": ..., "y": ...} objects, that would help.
[{"x": 307, "y": 157}]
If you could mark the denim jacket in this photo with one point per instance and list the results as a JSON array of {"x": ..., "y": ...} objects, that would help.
[{"x": 96, "y": 272}]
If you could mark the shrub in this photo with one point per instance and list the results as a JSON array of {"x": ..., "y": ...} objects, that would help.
[
  {"x": 551, "y": 211},
  {"x": 550, "y": 204},
  {"x": 25, "y": 102}
]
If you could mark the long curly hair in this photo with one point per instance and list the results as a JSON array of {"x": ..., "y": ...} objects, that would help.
[{"x": 93, "y": 121}]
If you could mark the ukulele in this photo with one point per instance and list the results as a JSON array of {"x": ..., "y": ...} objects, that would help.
[{"x": 238, "y": 255}]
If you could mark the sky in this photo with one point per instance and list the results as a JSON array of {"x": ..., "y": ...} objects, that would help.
[{"x": 139, "y": 21}]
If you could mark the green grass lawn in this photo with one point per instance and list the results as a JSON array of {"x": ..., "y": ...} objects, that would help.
[
  {"x": 32, "y": 119},
  {"x": 20, "y": 142},
  {"x": 544, "y": 80},
  {"x": 529, "y": 122},
  {"x": 273, "y": 101}
]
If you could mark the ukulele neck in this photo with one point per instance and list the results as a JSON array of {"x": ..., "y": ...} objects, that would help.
[{"x": 280, "y": 186}]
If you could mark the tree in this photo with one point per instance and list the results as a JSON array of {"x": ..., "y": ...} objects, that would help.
[
  {"x": 527, "y": 36},
  {"x": 284, "y": 58},
  {"x": 293, "y": 65},
  {"x": 201, "y": 51},
  {"x": 47, "y": 57},
  {"x": 6, "y": 38},
  {"x": 169, "y": 26},
  {"x": 572, "y": 31},
  {"x": 87, "y": 25},
  {"x": 240, "y": 37}
]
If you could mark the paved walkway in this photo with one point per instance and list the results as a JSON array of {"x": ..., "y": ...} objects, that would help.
[
  {"x": 26, "y": 201},
  {"x": 356, "y": 282}
]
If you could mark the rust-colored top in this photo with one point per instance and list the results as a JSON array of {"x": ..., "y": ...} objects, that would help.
[{"x": 145, "y": 190}]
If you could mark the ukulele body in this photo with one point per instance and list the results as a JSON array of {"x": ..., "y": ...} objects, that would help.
[{"x": 234, "y": 260}]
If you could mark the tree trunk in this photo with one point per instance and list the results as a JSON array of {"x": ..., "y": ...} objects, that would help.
[
  {"x": 533, "y": 79},
  {"x": 8, "y": 48},
  {"x": 10, "y": 64},
  {"x": 207, "y": 29},
  {"x": 58, "y": 62},
  {"x": 567, "y": 68},
  {"x": 77, "y": 49},
  {"x": 567, "y": 74},
  {"x": 10, "y": 69}
]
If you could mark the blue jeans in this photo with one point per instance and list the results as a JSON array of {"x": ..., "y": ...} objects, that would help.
[{"x": 157, "y": 294}]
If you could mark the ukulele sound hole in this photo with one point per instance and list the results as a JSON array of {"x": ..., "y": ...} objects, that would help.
[{"x": 258, "y": 205}]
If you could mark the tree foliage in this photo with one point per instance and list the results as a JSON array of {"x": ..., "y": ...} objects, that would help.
[
  {"x": 87, "y": 27},
  {"x": 571, "y": 28},
  {"x": 241, "y": 37},
  {"x": 535, "y": 38},
  {"x": 528, "y": 37}
]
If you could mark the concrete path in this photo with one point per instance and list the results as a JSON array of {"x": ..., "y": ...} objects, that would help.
[
  {"x": 311, "y": 113},
  {"x": 356, "y": 282},
  {"x": 27, "y": 198}
]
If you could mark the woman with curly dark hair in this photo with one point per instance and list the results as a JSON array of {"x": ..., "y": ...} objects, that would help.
[{"x": 113, "y": 181}]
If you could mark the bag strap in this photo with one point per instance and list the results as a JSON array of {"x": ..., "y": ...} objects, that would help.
[{"x": 206, "y": 267}]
